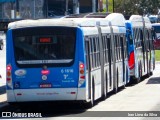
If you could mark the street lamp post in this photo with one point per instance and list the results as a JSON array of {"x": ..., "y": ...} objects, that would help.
[
  {"x": 17, "y": 9},
  {"x": 113, "y": 5},
  {"x": 107, "y": 5}
]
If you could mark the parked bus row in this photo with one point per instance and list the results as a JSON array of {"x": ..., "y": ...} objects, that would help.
[{"x": 76, "y": 59}]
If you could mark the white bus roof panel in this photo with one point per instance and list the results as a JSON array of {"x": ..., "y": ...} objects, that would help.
[
  {"x": 90, "y": 30},
  {"x": 116, "y": 19},
  {"x": 105, "y": 30},
  {"x": 69, "y": 22},
  {"x": 155, "y": 24},
  {"x": 88, "y": 22},
  {"x": 136, "y": 20},
  {"x": 147, "y": 22},
  {"x": 41, "y": 22}
]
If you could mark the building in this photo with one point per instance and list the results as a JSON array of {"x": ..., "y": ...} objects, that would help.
[
  {"x": 25, "y": 9},
  {"x": 11, "y": 10}
]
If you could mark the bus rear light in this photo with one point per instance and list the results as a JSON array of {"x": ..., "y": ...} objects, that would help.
[
  {"x": 131, "y": 60},
  {"x": 81, "y": 74},
  {"x": 8, "y": 73},
  {"x": 9, "y": 67},
  {"x": 9, "y": 76},
  {"x": 82, "y": 77},
  {"x": 8, "y": 79},
  {"x": 81, "y": 65},
  {"x": 81, "y": 71}
]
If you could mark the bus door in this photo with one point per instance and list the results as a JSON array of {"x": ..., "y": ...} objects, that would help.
[
  {"x": 113, "y": 61},
  {"x": 148, "y": 51},
  {"x": 123, "y": 58},
  {"x": 103, "y": 81},
  {"x": 88, "y": 64}
]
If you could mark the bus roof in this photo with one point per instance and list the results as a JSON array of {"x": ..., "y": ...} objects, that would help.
[
  {"x": 40, "y": 22},
  {"x": 155, "y": 24},
  {"x": 136, "y": 20},
  {"x": 116, "y": 19},
  {"x": 88, "y": 15},
  {"x": 89, "y": 22},
  {"x": 69, "y": 22},
  {"x": 147, "y": 22}
]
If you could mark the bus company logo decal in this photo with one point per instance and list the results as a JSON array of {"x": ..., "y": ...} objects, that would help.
[
  {"x": 20, "y": 72},
  {"x": 44, "y": 77}
]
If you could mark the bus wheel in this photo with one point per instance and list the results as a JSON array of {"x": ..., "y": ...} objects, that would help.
[
  {"x": 151, "y": 73},
  {"x": 148, "y": 74},
  {"x": 116, "y": 84},
  {"x": 1, "y": 47},
  {"x": 92, "y": 91},
  {"x": 104, "y": 96},
  {"x": 137, "y": 80}
]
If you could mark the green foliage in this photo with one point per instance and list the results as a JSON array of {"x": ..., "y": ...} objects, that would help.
[
  {"x": 110, "y": 5},
  {"x": 157, "y": 55},
  {"x": 141, "y": 7}
]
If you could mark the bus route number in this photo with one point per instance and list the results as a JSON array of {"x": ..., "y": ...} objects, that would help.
[{"x": 67, "y": 71}]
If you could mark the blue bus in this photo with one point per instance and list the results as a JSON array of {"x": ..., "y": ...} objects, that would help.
[
  {"x": 142, "y": 57},
  {"x": 130, "y": 43},
  {"x": 156, "y": 27},
  {"x": 66, "y": 59},
  {"x": 113, "y": 18}
]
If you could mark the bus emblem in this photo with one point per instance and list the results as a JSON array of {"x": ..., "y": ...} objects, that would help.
[
  {"x": 20, "y": 72},
  {"x": 44, "y": 77}
]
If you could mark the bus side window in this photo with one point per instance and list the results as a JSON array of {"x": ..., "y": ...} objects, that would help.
[
  {"x": 104, "y": 48},
  {"x": 116, "y": 45},
  {"x": 107, "y": 52},
  {"x": 87, "y": 53},
  {"x": 91, "y": 51},
  {"x": 98, "y": 52},
  {"x": 109, "y": 49},
  {"x": 94, "y": 50}
]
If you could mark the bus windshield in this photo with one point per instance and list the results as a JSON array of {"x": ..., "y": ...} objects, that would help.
[{"x": 44, "y": 45}]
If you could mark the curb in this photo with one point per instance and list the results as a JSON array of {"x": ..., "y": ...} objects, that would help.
[{"x": 157, "y": 62}]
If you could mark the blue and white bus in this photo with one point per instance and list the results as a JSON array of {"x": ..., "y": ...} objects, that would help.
[
  {"x": 142, "y": 59},
  {"x": 130, "y": 43},
  {"x": 66, "y": 59}
]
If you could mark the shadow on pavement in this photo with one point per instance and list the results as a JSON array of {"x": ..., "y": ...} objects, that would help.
[
  {"x": 48, "y": 109},
  {"x": 2, "y": 89},
  {"x": 154, "y": 80}
]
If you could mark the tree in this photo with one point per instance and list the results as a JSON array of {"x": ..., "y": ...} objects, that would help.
[{"x": 141, "y": 7}]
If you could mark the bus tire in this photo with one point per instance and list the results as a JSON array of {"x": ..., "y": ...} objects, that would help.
[
  {"x": 149, "y": 71},
  {"x": 115, "y": 90},
  {"x": 137, "y": 80},
  {"x": 91, "y": 103},
  {"x": 104, "y": 95},
  {"x": 125, "y": 78},
  {"x": 1, "y": 47}
]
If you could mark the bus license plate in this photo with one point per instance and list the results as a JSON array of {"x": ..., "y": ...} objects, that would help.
[{"x": 45, "y": 85}]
